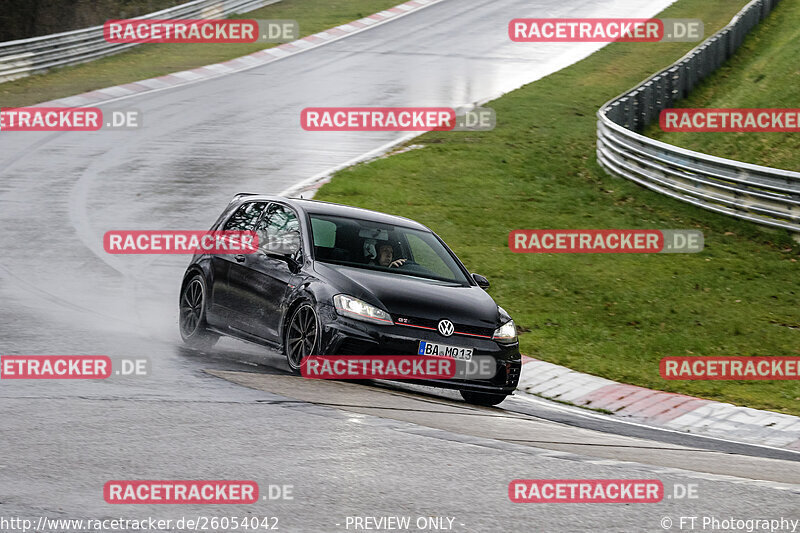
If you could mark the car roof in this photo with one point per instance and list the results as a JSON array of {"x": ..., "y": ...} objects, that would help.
[{"x": 318, "y": 207}]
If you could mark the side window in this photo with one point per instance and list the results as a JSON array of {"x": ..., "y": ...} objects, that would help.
[
  {"x": 279, "y": 231},
  {"x": 245, "y": 218},
  {"x": 426, "y": 257},
  {"x": 324, "y": 233}
]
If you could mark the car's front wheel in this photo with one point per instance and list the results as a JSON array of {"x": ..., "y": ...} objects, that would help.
[
  {"x": 482, "y": 398},
  {"x": 302, "y": 336},
  {"x": 192, "y": 320}
]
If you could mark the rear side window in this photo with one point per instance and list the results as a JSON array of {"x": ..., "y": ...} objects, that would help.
[{"x": 245, "y": 218}]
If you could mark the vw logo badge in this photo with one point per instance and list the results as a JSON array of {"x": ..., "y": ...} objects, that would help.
[{"x": 446, "y": 327}]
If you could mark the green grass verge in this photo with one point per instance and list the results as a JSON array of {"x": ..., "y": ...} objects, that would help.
[
  {"x": 610, "y": 315},
  {"x": 153, "y": 60},
  {"x": 765, "y": 73}
]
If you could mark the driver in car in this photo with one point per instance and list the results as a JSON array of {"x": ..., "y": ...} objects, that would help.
[{"x": 386, "y": 257}]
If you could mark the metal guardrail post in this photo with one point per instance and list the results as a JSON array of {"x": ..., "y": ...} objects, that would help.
[
  {"x": 629, "y": 112},
  {"x": 660, "y": 84},
  {"x": 636, "y": 104}
]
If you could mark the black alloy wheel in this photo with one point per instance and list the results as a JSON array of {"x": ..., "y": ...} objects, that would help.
[
  {"x": 302, "y": 336},
  {"x": 192, "y": 320}
]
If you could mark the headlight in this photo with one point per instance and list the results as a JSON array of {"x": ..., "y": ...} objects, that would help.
[
  {"x": 355, "y": 308},
  {"x": 506, "y": 333}
]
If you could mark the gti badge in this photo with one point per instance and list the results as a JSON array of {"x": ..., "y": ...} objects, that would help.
[{"x": 446, "y": 327}]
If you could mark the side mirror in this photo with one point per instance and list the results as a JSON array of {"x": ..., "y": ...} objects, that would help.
[{"x": 482, "y": 282}]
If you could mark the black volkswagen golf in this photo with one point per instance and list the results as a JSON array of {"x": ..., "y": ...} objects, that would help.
[{"x": 330, "y": 279}]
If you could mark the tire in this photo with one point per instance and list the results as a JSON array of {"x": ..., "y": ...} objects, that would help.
[
  {"x": 192, "y": 315},
  {"x": 302, "y": 336},
  {"x": 482, "y": 398}
]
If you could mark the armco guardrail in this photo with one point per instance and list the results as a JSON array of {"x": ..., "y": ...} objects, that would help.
[
  {"x": 38, "y": 54},
  {"x": 760, "y": 194}
]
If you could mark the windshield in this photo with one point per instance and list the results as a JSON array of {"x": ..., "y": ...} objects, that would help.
[{"x": 384, "y": 247}]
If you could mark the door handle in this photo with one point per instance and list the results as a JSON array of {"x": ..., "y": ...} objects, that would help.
[{"x": 239, "y": 258}]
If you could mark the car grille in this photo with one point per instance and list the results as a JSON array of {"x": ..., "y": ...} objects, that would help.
[{"x": 460, "y": 329}]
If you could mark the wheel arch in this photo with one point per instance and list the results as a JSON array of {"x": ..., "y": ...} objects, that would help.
[
  {"x": 298, "y": 300},
  {"x": 204, "y": 271},
  {"x": 190, "y": 273}
]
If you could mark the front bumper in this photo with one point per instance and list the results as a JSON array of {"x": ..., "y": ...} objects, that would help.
[{"x": 345, "y": 336}]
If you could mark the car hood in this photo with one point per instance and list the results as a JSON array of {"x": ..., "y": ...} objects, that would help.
[{"x": 408, "y": 296}]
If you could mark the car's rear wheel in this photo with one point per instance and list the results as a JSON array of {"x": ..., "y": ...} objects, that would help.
[
  {"x": 192, "y": 320},
  {"x": 482, "y": 398},
  {"x": 302, "y": 336}
]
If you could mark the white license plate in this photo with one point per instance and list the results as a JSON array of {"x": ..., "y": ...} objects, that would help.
[{"x": 443, "y": 350}]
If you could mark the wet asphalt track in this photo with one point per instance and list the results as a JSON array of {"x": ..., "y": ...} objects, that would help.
[{"x": 233, "y": 413}]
